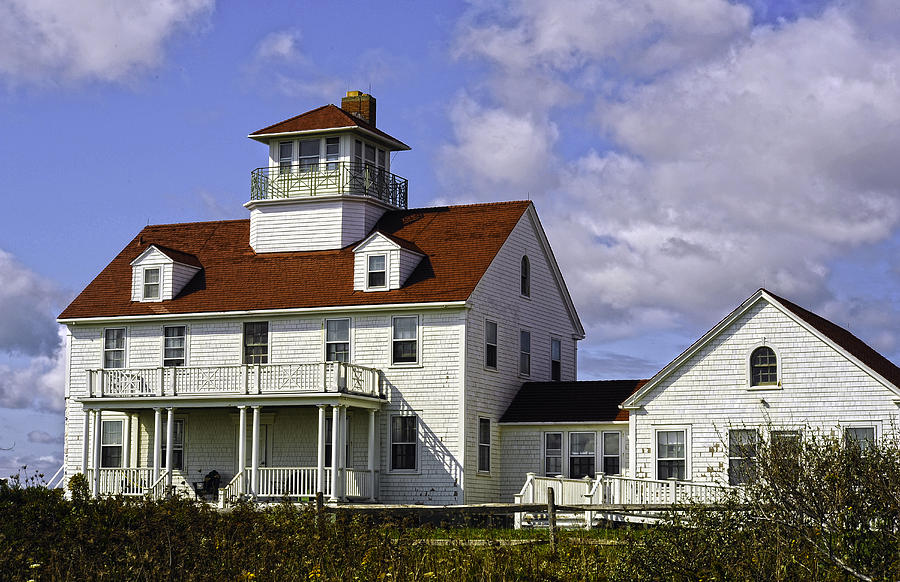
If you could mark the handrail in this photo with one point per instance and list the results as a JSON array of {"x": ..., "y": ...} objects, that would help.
[
  {"x": 59, "y": 473},
  {"x": 234, "y": 489},
  {"x": 157, "y": 489},
  {"x": 329, "y": 178}
]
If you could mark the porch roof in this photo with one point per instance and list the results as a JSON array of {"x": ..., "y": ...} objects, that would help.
[{"x": 561, "y": 402}]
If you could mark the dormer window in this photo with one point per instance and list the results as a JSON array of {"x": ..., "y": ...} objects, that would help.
[
  {"x": 376, "y": 275},
  {"x": 151, "y": 283}
]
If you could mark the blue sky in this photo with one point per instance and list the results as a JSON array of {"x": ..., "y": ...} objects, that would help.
[{"x": 681, "y": 154}]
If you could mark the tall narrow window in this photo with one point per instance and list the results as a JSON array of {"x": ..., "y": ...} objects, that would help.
[
  {"x": 484, "y": 445},
  {"x": 111, "y": 443},
  {"x": 285, "y": 156},
  {"x": 337, "y": 340},
  {"x": 332, "y": 152},
  {"x": 403, "y": 443},
  {"x": 114, "y": 347},
  {"x": 151, "y": 283},
  {"x": 490, "y": 344},
  {"x": 328, "y": 442},
  {"x": 376, "y": 274},
  {"x": 525, "y": 283},
  {"x": 582, "y": 454},
  {"x": 612, "y": 453},
  {"x": 309, "y": 155},
  {"x": 670, "y": 459},
  {"x": 256, "y": 342},
  {"x": 177, "y": 446},
  {"x": 860, "y": 436},
  {"x": 553, "y": 453},
  {"x": 358, "y": 154},
  {"x": 173, "y": 345},
  {"x": 370, "y": 154},
  {"x": 405, "y": 343},
  {"x": 382, "y": 156},
  {"x": 556, "y": 360},
  {"x": 742, "y": 451},
  {"x": 763, "y": 367},
  {"x": 524, "y": 352}
]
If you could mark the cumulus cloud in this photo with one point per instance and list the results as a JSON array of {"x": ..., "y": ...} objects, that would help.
[
  {"x": 282, "y": 44},
  {"x": 29, "y": 303},
  {"x": 40, "y": 385},
  {"x": 41, "y": 437},
  {"x": 50, "y": 40},
  {"x": 727, "y": 156}
]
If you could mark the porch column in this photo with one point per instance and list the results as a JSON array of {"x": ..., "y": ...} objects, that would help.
[
  {"x": 86, "y": 445},
  {"x": 97, "y": 422},
  {"x": 370, "y": 464},
  {"x": 343, "y": 455},
  {"x": 242, "y": 441},
  {"x": 320, "y": 462},
  {"x": 126, "y": 442},
  {"x": 157, "y": 442},
  {"x": 335, "y": 451},
  {"x": 254, "y": 455},
  {"x": 170, "y": 436}
]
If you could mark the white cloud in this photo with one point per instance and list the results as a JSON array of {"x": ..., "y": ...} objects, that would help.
[
  {"x": 29, "y": 303},
  {"x": 40, "y": 385},
  {"x": 47, "y": 41},
  {"x": 41, "y": 437},
  {"x": 282, "y": 44}
]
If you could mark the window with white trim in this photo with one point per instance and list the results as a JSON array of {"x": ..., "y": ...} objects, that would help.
[
  {"x": 671, "y": 462},
  {"x": 524, "y": 352},
  {"x": 285, "y": 156},
  {"x": 860, "y": 436},
  {"x": 582, "y": 454},
  {"x": 490, "y": 344},
  {"x": 556, "y": 359},
  {"x": 173, "y": 345},
  {"x": 742, "y": 451},
  {"x": 332, "y": 153},
  {"x": 177, "y": 445},
  {"x": 484, "y": 445},
  {"x": 256, "y": 342},
  {"x": 404, "y": 348},
  {"x": 612, "y": 453},
  {"x": 151, "y": 283},
  {"x": 376, "y": 272},
  {"x": 337, "y": 340},
  {"x": 525, "y": 277},
  {"x": 111, "y": 443},
  {"x": 553, "y": 453},
  {"x": 763, "y": 367},
  {"x": 403, "y": 443},
  {"x": 309, "y": 155},
  {"x": 114, "y": 347}
]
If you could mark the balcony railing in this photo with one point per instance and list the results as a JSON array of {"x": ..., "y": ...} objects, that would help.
[
  {"x": 330, "y": 178},
  {"x": 339, "y": 377}
]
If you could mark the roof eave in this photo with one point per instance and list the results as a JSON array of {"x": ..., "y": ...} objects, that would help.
[{"x": 396, "y": 144}]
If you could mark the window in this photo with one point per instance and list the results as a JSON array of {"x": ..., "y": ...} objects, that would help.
[
  {"x": 552, "y": 453},
  {"x": 786, "y": 441},
  {"x": 525, "y": 283},
  {"x": 337, "y": 340},
  {"x": 405, "y": 349},
  {"x": 742, "y": 447},
  {"x": 256, "y": 342},
  {"x": 332, "y": 152},
  {"x": 151, "y": 283},
  {"x": 173, "y": 345},
  {"x": 490, "y": 344},
  {"x": 376, "y": 275},
  {"x": 309, "y": 155},
  {"x": 382, "y": 157},
  {"x": 329, "y": 444},
  {"x": 763, "y": 367},
  {"x": 556, "y": 360},
  {"x": 177, "y": 445},
  {"x": 860, "y": 436},
  {"x": 403, "y": 443},
  {"x": 111, "y": 435},
  {"x": 525, "y": 353},
  {"x": 582, "y": 454},
  {"x": 484, "y": 445},
  {"x": 612, "y": 453},
  {"x": 370, "y": 154},
  {"x": 285, "y": 156},
  {"x": 670, "y": 458},
  {"x": 114, "y": 347}
]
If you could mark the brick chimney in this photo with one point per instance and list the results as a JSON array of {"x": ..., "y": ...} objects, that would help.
[{"x": 361, "y": 105}]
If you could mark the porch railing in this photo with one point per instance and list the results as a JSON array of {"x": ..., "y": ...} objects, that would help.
[
  {"x": 233, "y": 491},
  {"x": 132, "y": 481},
  {"x": 246, "y": 379},
  {"x": 329, "y": 178},
  {"x": 158, "y": 489},
  {"x": 291, "y": 481}
]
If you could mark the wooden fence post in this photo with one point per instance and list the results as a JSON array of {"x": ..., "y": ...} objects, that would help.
[
  {"x": 320, "y": 512},
  {"x": 551, "y": 517}
]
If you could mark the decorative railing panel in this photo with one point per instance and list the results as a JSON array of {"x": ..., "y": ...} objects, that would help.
[
  {"x": 208, "y": 379},
  {"x": 330, "y": 178}
]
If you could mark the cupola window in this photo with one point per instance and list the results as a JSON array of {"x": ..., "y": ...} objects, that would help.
[
  {"x": 763, "y": 367},
  {"x": 309, "y": 155}
]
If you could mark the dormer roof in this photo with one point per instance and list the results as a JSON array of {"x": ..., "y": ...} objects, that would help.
[
  {"x": 322, "y": 119},
  {"x": 395, "y": 240},
  {"x": 175, "y": 255}
]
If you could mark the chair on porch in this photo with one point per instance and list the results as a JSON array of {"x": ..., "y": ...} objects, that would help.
[{"x": 209, "y": 487}]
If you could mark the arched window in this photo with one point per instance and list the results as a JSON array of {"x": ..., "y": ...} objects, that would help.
[
  {"x": 763, "y": 367},
  {"x": 525, "y": 286}
]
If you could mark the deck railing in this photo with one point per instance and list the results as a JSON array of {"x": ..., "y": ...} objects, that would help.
[
  {"x": 132, "y": 481},
  {"x": 329, "y": 178},
  {"x": 247, "y": 379}
]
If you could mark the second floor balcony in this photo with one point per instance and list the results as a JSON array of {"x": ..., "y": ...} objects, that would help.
[
  {"x": 328, "y": 179},
  {"x": 250, "y": 379}
]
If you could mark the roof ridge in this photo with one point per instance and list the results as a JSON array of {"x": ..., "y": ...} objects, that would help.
[
  {"x": 295, "y": 117},
  {"x": 195, "y": 222}
]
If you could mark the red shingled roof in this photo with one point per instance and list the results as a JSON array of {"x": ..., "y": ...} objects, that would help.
[
  {"x": 459, "y": 242},
  {"x": 325, "y": 117}
]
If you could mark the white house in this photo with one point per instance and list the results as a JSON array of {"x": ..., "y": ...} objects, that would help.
[{"x": 335, "y": 341}]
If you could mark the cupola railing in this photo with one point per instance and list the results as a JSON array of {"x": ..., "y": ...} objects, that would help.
[{"x": 328, "y": 179}]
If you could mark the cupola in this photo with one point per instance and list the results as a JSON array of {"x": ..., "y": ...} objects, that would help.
[{"x": 327, "y": 181}]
